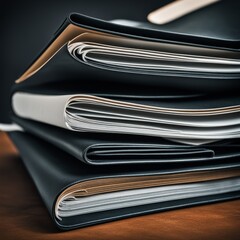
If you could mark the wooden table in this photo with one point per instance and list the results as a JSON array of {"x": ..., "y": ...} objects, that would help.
[{"x": 24, "y": 216}]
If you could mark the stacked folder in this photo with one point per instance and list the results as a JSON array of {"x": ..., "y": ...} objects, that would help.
[{"x": 122, "y": 118}]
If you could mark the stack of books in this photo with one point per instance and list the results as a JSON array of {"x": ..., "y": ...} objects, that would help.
[{"x": 123, "y": 118}]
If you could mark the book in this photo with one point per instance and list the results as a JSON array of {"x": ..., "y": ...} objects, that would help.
[
  {"x": 78, "y": 195},
  {"x": 88, "y": 113}
]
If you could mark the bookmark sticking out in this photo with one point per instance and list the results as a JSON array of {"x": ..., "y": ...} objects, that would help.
[
  {"x": 13, "y": 127},
  {"x": 176, "y": 10}
]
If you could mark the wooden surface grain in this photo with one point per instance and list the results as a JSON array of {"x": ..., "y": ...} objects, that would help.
[{"x": 24, "y": 216}]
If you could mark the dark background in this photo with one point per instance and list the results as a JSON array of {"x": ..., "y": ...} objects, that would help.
[{"x": 27, "y": 26}]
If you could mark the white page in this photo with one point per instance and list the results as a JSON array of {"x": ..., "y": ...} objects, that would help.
[
  {"x": 131, "y": 55},
  {"x": 71, "y": 206}
]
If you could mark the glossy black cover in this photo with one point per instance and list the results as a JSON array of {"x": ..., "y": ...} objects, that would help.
[
  {"x": 86, "y": 147},
  {"x": 52, "y": 171},
  {"x": 215, "y": 26}
]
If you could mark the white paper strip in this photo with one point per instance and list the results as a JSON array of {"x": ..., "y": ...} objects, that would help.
[{"x": 10, "y": 127}]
